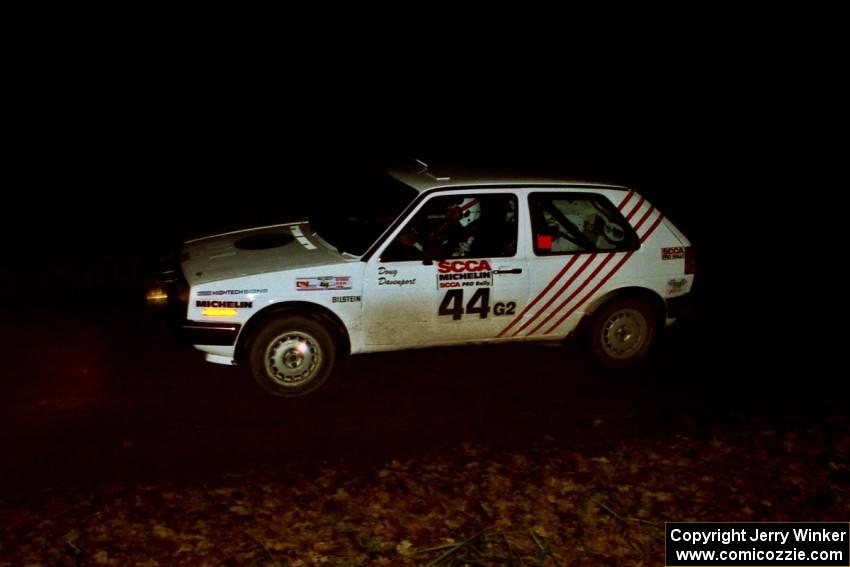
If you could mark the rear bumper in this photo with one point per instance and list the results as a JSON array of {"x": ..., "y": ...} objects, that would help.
[
  {"x": 681, "y": 306},
  {"x": 216, "y": 333}
]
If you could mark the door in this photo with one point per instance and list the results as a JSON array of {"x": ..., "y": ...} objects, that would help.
[
  {"x": 579, "y": 240},
  {"x": 451, "y": 274}
]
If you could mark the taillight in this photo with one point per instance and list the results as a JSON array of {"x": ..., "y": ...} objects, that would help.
[{"x": 690, "y": 260}]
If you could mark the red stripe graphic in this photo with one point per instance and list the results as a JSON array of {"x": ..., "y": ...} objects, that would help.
[
  {"x": 644, "y": 217},
  {"x": 574, "y": 293},
  {"x": 635, "y": 209},
  {"x": 590, "y": 293},
  {"x": 540, "y": 296},
  {"x": 558, "y": 276},
  {"x": 616, "y": 268},
  {"x": 558, "y": 294},
  {"x": 652, "y": 228},
  {"x": 630, "y": 194}
]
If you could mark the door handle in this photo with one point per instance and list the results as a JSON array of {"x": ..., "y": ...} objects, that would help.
[{"x": 511, "y": 271}]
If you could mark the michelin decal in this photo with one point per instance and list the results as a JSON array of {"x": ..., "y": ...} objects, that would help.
[{"x": 226, "y": 304}]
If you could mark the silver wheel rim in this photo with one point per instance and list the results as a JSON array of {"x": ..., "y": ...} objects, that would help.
[
  {"x": 292, "y": 359},
  {"x": 624, "y": 333}
]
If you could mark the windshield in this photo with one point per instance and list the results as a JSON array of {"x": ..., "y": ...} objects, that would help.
[{"x": 352, "y": 220}]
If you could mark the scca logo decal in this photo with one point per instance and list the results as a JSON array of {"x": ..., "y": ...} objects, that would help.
[{"x": 445, "y": 267}]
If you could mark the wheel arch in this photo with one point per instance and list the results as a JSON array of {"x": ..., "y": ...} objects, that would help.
[
  {"x": 334, "y": 324},
  {"x": 651, "y": 297}
]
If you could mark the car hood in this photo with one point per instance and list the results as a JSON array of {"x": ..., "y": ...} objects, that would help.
[{"x": 253, "y": 251}]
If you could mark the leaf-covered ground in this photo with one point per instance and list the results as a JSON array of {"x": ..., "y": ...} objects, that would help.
[{"x": 601, "y": 501}]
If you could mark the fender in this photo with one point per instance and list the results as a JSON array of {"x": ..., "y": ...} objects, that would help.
[{"x": 321, "y": 312}]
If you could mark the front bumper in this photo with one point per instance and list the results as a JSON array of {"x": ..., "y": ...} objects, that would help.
[{"x": 217, "y": 333}]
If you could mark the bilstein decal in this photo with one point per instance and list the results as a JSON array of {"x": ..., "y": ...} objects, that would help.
[
  {"x": 345, "y": 299},
  {"x": 226, "y": 304},
  {"x": 464, "y": 273},
  {"x": 321, "y": 283},
  {"x": 386, "y": 276},
  {"x": 231, "y": 292}
]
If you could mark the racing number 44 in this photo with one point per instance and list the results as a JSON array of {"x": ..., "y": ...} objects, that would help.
[{"x": 452, "y": 304}]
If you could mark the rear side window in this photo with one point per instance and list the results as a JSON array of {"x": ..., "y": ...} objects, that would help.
[{"x": 565, "y": 223}]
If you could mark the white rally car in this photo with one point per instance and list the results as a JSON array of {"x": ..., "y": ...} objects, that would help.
[{"x": 429, "y": 260}]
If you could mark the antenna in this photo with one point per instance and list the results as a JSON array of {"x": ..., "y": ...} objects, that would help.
[{"x": 428, "y": 173}]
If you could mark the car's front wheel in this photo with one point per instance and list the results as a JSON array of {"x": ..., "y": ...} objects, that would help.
[
  {"x": 292, "y": 356},
  {"x": 622, "y": 332}
]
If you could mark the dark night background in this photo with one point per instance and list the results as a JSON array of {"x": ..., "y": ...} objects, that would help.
[
  {"x": 120, "y": 155},
  {"x": 121, "y": 158}
]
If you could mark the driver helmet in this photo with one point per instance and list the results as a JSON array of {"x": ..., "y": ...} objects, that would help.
[{"x": 470, "y": 211}]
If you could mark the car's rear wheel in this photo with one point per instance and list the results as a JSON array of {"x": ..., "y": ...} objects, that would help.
[
  {"x": 292, "y": 356},
  {"x": 622, "y": 332}
]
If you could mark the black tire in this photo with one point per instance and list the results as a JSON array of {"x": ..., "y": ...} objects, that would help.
[
  {"x": 622, "y": 332},
  {"x": 292, "y": 356}
]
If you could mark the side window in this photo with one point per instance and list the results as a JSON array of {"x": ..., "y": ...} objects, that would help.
[
  {"x": 578, "y": 222},
  {"x": 458, "y": 226}
]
